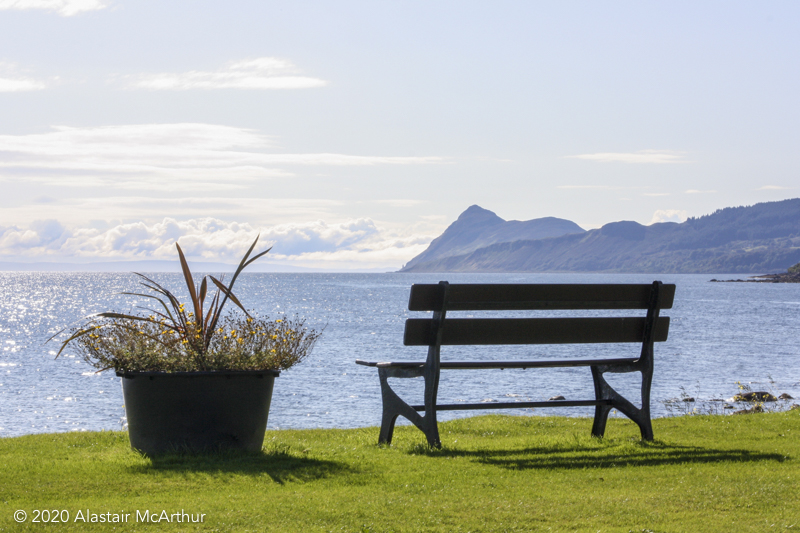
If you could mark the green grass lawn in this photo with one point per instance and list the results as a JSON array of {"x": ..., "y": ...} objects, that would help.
[{"x": 494, "y": 473}]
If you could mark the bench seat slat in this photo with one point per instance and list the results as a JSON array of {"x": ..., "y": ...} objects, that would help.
[
  {"x": 466, "y": 365},
  {"x": 501, "y": 297},
  {"x": 483, "y": 331},
  {"x": 513, "y": 405}
]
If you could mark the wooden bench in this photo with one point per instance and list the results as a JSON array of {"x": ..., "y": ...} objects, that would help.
[{"x": 440, "y": 330}]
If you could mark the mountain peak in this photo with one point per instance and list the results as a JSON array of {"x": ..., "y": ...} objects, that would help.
[
  {"x": 477, "y": 227},
  {"x": 477, "y": 214}
]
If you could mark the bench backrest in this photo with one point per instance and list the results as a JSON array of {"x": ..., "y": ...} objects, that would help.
[{"x": 444, "y": 297}]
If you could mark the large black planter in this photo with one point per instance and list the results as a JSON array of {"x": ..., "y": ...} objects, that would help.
[{"x": 197, "y": 411}]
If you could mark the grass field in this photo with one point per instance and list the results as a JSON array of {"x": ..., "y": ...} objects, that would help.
[{"x": 494, "y": 473}]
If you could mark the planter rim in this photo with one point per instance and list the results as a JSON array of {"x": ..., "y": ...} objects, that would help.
[{"x": 131, "y": 374}]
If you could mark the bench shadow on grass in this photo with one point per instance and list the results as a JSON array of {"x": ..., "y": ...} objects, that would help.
[
  {"x": 281, "y": 465},
  {"x": 574, "y": 457}
]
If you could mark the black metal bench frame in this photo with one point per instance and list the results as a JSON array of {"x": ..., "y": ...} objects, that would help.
[{"x": 439, "y": 331}]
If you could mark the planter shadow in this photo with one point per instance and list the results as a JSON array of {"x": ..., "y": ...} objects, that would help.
[{"x": 281, "y": 466}]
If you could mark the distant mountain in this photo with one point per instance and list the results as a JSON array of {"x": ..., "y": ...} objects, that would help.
[
  {"x": 760, "y": 238},
  {"x": 478, "y": 228}
]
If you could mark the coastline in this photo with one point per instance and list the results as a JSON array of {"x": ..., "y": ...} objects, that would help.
[{"x": 786, "y": 277}]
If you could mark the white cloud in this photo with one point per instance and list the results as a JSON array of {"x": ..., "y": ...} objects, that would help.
[
  {"x": 668, "y": 215},
  {"x": 696, "y": 191},
  {"x": 584, "y": 187},
  {"x": 642, "y": 156},
  {"x": 200, "y": 238},
  {"x": 260, "y": 73},
  {"x": 66, "y": 8},
  {"x": 13, "y": 85},
  {"x": 389, "y": 254},
  {"x": 399, "y": 202},
  {"x": 297, "y": 239},
  {"x": 773, "y": 188},
  {"x": 12, "y": 80},
  {"x": 161, "y": 157},
  {"x": 86, "y": 210},
  {"x": 356, "y": 243},
  {"x": 596, "y": 187},
  {"x": 655, "y": 194}
]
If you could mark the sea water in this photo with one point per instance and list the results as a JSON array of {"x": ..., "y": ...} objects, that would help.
[{"x": 720, "y": 334}]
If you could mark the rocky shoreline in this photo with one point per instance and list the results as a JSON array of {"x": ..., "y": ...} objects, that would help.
[{"x": 792, "y": 276}]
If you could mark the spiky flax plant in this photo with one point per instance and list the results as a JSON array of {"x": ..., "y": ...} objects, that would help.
[{"x": 172, "y": 338}]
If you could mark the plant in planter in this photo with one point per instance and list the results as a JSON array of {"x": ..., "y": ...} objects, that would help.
[{"x": 194, "y": 379}]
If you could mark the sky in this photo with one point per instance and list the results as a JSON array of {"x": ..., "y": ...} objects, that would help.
[{"x": 349, "y": 134}]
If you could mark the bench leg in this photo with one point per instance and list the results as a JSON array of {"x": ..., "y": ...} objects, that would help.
[
  {"x": 433, "y": 435},
  {"x": 387, "y": 427},
  {"x": 645, "y": 425},
  {"x": 604, "y": 391},
  {"x": 431, "y": 375},
  {"x": 600, "y": 418},
  {"x": 394, "y": 406}
]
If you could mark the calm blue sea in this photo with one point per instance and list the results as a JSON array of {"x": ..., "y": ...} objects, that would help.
[{"x": 721, "y": 333}]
